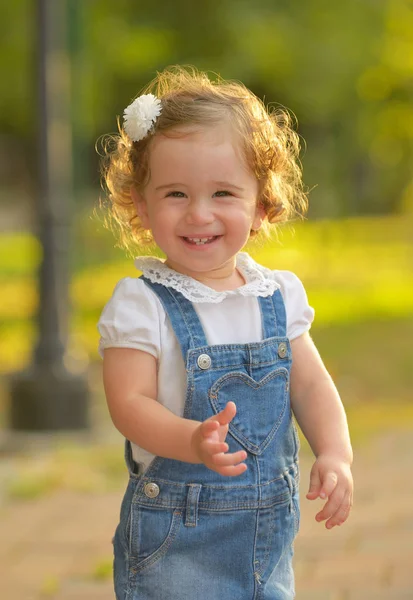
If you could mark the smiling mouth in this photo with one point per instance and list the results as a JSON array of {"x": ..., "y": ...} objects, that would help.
[{"x": 200, "y": 241}]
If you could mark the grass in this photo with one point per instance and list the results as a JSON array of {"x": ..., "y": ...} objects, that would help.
[
  {"x": 370, "y": 361},
  {"x": 368, "y": 421}
]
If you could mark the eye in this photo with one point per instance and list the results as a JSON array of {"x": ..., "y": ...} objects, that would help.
[
  {"x": 222, "y": 193},
  {"x": 175, "y": 194}
]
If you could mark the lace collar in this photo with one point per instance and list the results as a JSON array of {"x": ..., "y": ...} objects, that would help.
[{"x": 258, "y": 280}]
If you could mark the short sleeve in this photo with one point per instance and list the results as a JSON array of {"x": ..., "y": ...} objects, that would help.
[
  {"x": 300, "y": 314},
  {"x": 130, "y": 319}
]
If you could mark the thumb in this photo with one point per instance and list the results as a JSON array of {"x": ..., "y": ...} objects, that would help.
[{"x": 315, "y": 484}]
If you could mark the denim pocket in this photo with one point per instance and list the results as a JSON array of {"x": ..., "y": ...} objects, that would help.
[
  {"x": 152, "y": 534},
  {"x": 261, "y": 405}
]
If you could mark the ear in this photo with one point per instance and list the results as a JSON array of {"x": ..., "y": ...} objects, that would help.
[
  {"x": 141, "y": 207},
  {"x": 260, "y": 215}
]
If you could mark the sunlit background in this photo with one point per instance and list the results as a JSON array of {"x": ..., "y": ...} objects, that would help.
[{"x": 345, "y": 69}]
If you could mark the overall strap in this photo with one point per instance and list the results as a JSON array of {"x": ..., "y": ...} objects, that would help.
[
  {"x": 273, "y": 316},
  {"x": 184, "y": 319}
]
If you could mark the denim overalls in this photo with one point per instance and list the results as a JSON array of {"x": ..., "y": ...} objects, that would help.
[{"x": 188, "y": 533}]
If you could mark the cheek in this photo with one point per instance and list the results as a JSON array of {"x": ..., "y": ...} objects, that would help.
[
  {"x": 162, "y": 220},
  {"x": 243, "y": 216}
]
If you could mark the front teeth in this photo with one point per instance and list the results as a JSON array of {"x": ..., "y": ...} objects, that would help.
[{"x": 200, "y": 241}]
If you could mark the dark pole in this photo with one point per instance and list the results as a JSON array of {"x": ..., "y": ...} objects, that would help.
[{"x": 47, "y": 396}]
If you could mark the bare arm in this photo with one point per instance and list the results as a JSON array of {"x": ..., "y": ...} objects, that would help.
[
  {"x": 316, "y": 403},
  {"x": 130, "y": 382},
  {"x": 321, "y": 416},
  {"x": 129, "y": 378}
]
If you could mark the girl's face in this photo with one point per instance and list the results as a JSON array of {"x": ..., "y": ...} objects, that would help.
[{"x": 200, "y": 202}]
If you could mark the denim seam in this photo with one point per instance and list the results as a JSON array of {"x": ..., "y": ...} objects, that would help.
[
  {"x": 295, "y": 434},
  {"x": 129, "y": 586},
  {"x": 265, "y": 560},
  {"x": 250, "y": 381},
  {"x": 274, "y": 362},
  {"x": 221, "y": 487},
  {"x": 128, "y": 530},
  {"x": 130, "y": 583},
  {"x": 188, "y": 398},
  {"x": 131, "y": 529},
  {"x": 274, "y": 430},
  {"x": 276, "y": 340},
  {"x": 296, "y": 514},
  {"x": 257, "y": 518},
  {"x": 221, "y": 506}
]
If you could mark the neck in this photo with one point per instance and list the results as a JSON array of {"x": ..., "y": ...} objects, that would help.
[{"x": 224, "y": 277}]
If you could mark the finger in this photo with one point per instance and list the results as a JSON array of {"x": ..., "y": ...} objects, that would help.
[
  {"x": 329, "y": 484},
  {"x": 227, "y": 414},
  {"x": 232, "y": 471},
  {"x": 342, "y": 513},
  {"x": 215, "y": 447},
  {"x": 208, "y": 427},
  {"x": 315, "y": 485},
  {"x": 223, "y": 460},
  {"x": 331, "y": 506}
]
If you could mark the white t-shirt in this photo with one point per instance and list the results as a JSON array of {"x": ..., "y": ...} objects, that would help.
[{"x": 135, "y": 318}]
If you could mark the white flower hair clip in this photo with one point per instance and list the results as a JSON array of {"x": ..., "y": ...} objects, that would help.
[{"x": 140, "y": 116}]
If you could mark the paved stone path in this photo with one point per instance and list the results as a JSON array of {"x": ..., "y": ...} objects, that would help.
[{"x": 59, "y": 547}]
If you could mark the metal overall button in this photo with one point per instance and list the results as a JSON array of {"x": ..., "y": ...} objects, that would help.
[
  {"x": 151, "y": 490},
  {"x": 204, "y": 361},
  {"x": 282, "y": 350}
]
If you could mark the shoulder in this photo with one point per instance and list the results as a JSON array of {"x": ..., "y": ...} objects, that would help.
[
  {"x": 131, "y": 292},
  {"x": 132, "y": 301},
  {"x": 299, "y": 313},
  {"x": 288, "y": 282},
  {"x": 132, "y": 317}
]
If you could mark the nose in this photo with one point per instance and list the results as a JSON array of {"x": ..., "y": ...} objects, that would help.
[{"x": 199, "y": 212}]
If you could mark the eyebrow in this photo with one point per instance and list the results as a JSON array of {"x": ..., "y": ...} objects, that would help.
[
  {"x": 169, "y": 185},
  {"x": 223, "y": 184},
  {"x": 228, "y": 184}
]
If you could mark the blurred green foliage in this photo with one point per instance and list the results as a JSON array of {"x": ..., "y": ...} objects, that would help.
[
  {"x": 357, "y": 273},
  {"x": 344, "y": 68}
]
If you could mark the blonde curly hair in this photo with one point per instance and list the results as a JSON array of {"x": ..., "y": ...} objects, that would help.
[{"x": 190, "y": 98}]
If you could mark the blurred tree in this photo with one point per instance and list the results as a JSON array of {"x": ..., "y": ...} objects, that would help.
[
  {"x": 345, "y": 69},
  {"x": 386, "y": 116},
  {"x": 17, "y": 67}
]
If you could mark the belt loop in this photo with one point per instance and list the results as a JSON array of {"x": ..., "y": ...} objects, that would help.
[{"x": 191, "y": 514}]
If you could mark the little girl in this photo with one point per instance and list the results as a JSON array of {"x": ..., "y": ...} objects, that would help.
[{"x": 208, "y": 353}]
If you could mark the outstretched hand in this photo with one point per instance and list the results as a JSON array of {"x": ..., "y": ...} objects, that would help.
[
  {"x": 208, "y": 442},
  {"x": 331, "y": 478}
]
